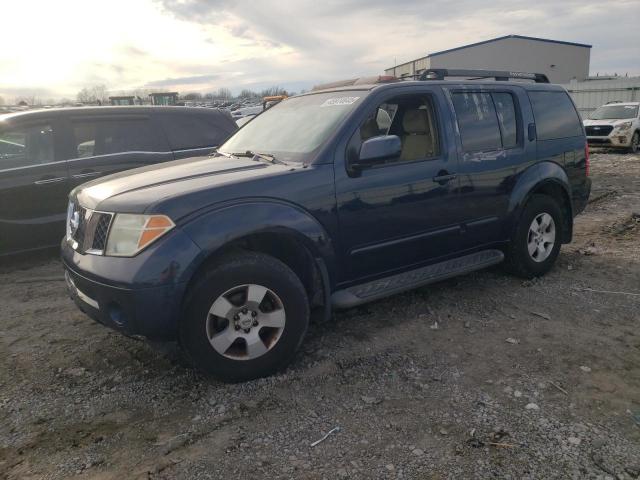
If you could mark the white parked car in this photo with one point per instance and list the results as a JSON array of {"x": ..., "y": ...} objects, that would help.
[
  {"x": 245, "y": 111},
  {"x": 615, "y": 125}
]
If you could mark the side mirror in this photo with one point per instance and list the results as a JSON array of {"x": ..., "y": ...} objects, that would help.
[{"x": 377, "y": 150}]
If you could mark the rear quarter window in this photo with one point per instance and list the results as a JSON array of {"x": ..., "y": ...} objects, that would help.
[
  {"x": 555, "y": 115},
  {"x": 185, "y": 131}
]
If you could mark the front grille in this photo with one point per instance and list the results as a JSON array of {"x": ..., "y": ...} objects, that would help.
[
  {"x": 92, "y": 229},
  {"x": 599, "y": 141},
  {"x": 101, "y": 232},
  {"x": 598, "y": 130}
]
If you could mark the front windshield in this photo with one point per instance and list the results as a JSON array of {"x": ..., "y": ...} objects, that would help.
[
  {"x": 295, "y": 127},
  {"x": 615, "y": 112}
]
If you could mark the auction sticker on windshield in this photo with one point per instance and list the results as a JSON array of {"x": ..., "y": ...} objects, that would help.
[{"x": 332, "y": 102}]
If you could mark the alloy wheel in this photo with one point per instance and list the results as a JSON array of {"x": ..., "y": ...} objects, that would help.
[
  {"x": 245, "y": 322},
  {"x": 541, "y": 237}
]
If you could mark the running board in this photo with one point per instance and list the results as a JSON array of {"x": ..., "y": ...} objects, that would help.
[{"x": 367, "y": 292}]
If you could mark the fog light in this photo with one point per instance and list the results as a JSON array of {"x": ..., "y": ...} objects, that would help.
[{"x": 622, "y": 139}]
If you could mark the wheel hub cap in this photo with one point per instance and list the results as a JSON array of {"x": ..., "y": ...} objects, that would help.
[{"x": 245, "y": 320}]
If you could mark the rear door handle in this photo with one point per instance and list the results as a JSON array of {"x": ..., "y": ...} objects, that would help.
[
  {"x": 86, "y": 174},
  {"x": 45, "y": 181},
  {"x": 442, "y": 179}
]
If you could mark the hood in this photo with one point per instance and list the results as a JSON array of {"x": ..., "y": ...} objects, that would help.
[
  {"x": 614, "y": 121},
  {"x": 134, "y": 190}
]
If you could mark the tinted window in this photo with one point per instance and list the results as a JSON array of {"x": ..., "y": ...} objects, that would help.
[
  {"x": 186, "y": 131},
  {"x": 103, "y": 137},
  {"x": 506, "y": 111},
  {"x": 555, "y": 115},
  {"x": 24, "y": 146},
  {"x": 477, "y": 121}
]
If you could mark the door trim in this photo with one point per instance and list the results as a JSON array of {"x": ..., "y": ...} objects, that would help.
[
  {"x": 410, "y": 238},
  {"x": 45, "y": 181}
]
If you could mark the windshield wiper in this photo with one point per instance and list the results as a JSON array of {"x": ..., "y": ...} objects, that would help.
[
  {"x": 216, "y": 152},
  {"x": 253, "y": 155}
]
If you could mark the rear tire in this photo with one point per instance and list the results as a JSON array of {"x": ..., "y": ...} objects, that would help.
[
  {"x": 536, "y": 243},
  {"x": 244, "y": 318}
]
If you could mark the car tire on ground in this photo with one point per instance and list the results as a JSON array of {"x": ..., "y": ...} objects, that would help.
[
  {"x": 244, "y": 318},
  {"x": 635, "y": 143},
  {"x": 536, "y": 242}
]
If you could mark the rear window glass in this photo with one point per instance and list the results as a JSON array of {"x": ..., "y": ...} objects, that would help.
[
  {"x": 555, "y": 115},
  {"x": 186, "y": 131},
  {"x": 477, "y": 121}
]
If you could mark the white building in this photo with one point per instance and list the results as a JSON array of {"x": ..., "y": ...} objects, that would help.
[{"x": 560, "y": 61}]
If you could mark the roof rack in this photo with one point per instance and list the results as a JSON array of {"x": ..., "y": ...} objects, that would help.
[{"x": 441, "y": 73}]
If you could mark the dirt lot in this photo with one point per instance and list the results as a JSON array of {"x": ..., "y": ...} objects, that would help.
[{"x": 483, "y": 376}]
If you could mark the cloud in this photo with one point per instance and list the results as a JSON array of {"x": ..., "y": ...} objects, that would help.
[
  {"x": 202, "y": 45},
  {"x": 372, "y": 33},
  {"x": 192, "y": 80}
]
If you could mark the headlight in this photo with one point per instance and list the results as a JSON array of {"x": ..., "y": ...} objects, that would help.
[
  {"x": 131, "y": 233},
  {"x": 624, "y": 126}
]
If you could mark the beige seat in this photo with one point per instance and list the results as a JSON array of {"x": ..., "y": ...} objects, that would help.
[{"x": 417, "y": 141}]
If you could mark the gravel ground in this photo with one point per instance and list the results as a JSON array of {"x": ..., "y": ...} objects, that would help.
[{"x": 482, "y": 376}]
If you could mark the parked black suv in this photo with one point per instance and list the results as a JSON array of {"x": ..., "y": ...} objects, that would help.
[
  {"x": 44, "y": 154},
  {"x": 328, "y": 200}
]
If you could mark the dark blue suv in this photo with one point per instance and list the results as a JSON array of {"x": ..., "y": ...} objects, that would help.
[{"x": 330, "y": 199}]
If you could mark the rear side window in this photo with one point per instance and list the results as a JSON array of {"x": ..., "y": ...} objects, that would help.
[
  {"x": 26, "y": 145},
  {"x": 507, "y": 119},
  {"x": 555, "y": 115},
  {"x": 104, "y": 137},
  {"x": 477, "y": 121},
  {"x": 185, "y": 131}
]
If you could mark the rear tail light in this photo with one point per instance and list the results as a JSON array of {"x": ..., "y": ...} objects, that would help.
[{"x": 587, "y": 162}]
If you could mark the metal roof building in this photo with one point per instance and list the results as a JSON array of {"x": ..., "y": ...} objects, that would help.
[
  {"x": 595, "y": 91},
  {"x": 560, "y": 61}
]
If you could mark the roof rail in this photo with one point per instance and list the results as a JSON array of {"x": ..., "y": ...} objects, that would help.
[{"x": 441, "y": 73}]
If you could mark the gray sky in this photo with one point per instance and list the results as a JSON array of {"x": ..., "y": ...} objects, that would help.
[{"x": 201, "y": 45}]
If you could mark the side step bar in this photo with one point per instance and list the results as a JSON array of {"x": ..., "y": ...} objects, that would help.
[{"x": 367, "y": 292}]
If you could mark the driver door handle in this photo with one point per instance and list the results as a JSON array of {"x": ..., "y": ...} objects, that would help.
[{"x": 444, "y": 178}]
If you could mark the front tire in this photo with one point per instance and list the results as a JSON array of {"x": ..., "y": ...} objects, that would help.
[
  {"x": 536, "y": 243},
  {"x": 244, "y": 318},
  {"x": 635, "y": 143}
]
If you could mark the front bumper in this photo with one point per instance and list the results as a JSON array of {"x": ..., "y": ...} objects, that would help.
[
  {"x": 614, "y": 140},
  {"x": 137, "y": 296}
]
